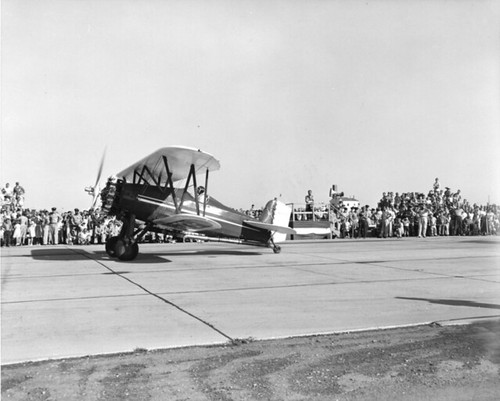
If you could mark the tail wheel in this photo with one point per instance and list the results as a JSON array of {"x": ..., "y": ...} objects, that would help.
[
  {"x": 271, "y": 244},
  {"x": 110, "y": 246}
]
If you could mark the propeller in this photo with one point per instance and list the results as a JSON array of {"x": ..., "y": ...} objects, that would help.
[{"x": 94, "y": 190}]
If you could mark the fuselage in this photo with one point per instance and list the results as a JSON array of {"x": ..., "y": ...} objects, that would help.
[{"x": 150, "y": 203}]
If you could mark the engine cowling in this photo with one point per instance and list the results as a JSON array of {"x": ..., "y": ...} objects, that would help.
[{"x": 110, "y": 196}]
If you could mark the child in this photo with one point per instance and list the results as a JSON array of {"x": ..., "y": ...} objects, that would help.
[
  {"x": 398, "y": 227},
  {"x": 406, "y": 226},
  {"x": 433, "y": 224}
]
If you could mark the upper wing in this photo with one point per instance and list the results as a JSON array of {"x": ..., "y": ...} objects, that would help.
[
  {"x": 187, "y": 222},
  {"x": 179, "y": 160}
]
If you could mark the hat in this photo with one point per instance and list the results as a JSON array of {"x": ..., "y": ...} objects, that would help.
[{"x": 54, "y": 209}]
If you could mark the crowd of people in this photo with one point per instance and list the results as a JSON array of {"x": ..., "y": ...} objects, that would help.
[{"x": 440, "y": 212}]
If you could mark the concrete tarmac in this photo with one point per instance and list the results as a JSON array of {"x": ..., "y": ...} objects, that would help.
[{"x": 69, "y": 301}]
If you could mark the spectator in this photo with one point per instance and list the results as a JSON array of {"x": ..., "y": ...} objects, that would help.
[
  {"x": 7, "y": 193},
  {"x": 23, "y": 221},
  {"x": 16, "y": 235},
  {"x": 84, "y": 237},
  {"x": 354, "y": 222},
  {"x": 433, "y": 225},
  {"x": 386, "y": 220},
  {"x": 31, "y": 232},
  {"x": 406, "y": 226},
  {"x": 398, "y": 227},
  {"x": 423, "y": 215},
  {"x": 458, "y": 221},
  {"x": 7, "y": 232},
  {"x": 54, "y": 220},
  {"x": 363, "y": 222},
  {"x": 436, "y": 185},
  {"x": 76, "y": 225},
  {"x": 18, "y": 195},
  {"x": 309, "y": 199},
  {"x": 444, "y": 223}
]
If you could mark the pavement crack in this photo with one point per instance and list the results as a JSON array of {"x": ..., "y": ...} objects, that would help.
[{"x": 165, "y": 300}]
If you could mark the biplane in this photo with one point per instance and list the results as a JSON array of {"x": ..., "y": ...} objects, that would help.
[{"x": 162, "y": 193}]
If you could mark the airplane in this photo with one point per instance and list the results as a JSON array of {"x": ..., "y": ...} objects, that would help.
[{"x": 161, "y": 193}]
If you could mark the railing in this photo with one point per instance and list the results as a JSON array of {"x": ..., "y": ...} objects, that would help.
[{"x": 321, "y": 212}]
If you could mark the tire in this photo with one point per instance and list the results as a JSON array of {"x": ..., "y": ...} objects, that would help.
[
  {"x": 119, "y": 247},
  {"x": 110, "y": 246},
  {"x": 130, "y": 252}
]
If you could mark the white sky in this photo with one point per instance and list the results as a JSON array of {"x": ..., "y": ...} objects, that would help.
[{"x": 373, "y": 96}]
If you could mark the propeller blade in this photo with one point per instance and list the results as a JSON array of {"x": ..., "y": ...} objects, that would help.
[
  {"x": 95, "y": 189},
  {"x": 99, "y": 172}
]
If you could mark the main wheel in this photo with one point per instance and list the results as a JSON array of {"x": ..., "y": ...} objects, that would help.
[
  {"x": 110, "y": 246},
  {"x": 276, "y": 249},
  {"x": 130, "y": 252}
]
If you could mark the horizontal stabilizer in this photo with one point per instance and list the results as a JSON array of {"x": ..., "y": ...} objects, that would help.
[
  {"x": 187, "y": 222},
  {"x": 271, "y": 227}
]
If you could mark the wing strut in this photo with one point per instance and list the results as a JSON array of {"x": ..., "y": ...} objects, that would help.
[
  {"x": 170, "y": 184},
  {"x": 192, "y": 174},
  {"x": 205, "y": 197}
]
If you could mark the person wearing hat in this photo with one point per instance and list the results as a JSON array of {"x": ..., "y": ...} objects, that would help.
[
  {"x": 54, "y": 219},
  {"x": 363, "y": 222},
  {"x": 76, "y": 222}
]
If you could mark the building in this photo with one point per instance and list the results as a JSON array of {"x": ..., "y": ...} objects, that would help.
[{"x": 349, "y": 202}]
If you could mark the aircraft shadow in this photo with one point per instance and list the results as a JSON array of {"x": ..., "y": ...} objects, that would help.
[
  {"x": 60, "y": 254},
  {"x": 67, "y": 254},
  {"x": 211, "y": 253},
  {"x": 483, "y": 240},
  {"x": 454, "y": 302}
]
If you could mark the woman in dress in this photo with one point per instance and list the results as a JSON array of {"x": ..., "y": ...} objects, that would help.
[
  {"x": 16, "y": 235},
  {"x": 31, "y": 232}
]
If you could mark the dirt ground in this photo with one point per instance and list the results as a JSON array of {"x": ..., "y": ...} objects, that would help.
[{"x": 417, "y": 363}]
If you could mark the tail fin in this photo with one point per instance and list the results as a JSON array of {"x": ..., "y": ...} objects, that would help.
[{"x": 278, "y": 214}]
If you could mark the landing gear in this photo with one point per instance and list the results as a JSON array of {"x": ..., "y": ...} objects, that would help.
[
  {"x": 119, "y": 248},
  {"x": 124, "y": 246},
  {"x": 276, "y": 248},
  {"x": 126, "y": 250},
  {"x": 122, "y": 249}
]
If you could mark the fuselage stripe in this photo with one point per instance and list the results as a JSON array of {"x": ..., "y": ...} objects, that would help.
[{"x": 158, "y": 202}]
